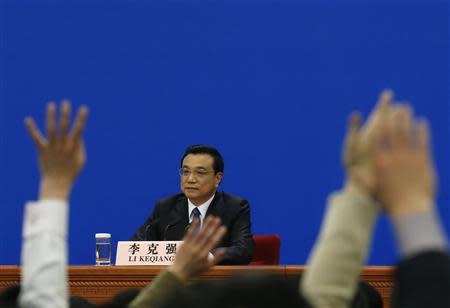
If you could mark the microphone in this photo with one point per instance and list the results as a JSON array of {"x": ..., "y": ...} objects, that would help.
[
  {"x": 148, "y": 230},
  {"x": 169, "y": 225},
  {"x": 165, "y": 230},
  {"x": 187, "y": 228}
]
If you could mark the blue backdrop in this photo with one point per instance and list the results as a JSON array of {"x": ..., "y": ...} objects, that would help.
[{"x": 270, "y": 83}]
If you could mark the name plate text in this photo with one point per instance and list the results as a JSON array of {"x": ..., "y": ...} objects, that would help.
[{"x": 147, "y": 253}]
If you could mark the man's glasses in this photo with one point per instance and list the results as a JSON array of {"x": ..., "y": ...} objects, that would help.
[{"x": 199, "y": 173}]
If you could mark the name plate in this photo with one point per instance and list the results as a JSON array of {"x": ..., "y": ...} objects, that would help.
[{"x": 147, "y": 253}]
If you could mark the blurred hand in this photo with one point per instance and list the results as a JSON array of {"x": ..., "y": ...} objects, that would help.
[
  {"x": 192, "y": 257},
  {"x": 358, "y": 146},
  {"x": 62, "y": 155},
  {"x": 403, "y": 165}
]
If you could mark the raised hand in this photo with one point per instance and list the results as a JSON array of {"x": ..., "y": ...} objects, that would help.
[
  {"x": 403, "y": 164},
  {"x": 62, "y": 154},
  {"x": 192, "y": 257},
  {"x": 358, "y": 145}
]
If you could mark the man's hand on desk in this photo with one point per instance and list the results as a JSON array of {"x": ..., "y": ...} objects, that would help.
[
  {"x": 62, "y": 155},
  {"x": 192, "y": 257}
]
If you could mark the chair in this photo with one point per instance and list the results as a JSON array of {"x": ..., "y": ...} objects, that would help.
[{"x": 267, "y": 250}]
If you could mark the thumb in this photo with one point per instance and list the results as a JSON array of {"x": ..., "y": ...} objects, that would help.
[{"x": 218, "y": 255}]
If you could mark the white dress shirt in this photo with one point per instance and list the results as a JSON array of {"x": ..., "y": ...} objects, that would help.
[
  {"x": 203, "y": 208},
  {"x": 44, "y": 255}
]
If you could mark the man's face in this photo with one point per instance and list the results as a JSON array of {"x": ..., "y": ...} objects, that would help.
[{"x": 198, "y": 181}]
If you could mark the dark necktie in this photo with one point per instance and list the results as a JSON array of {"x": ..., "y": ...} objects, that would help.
[{"x": 196, "y": 215}]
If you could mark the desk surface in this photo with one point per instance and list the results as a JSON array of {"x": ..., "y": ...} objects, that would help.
[{"x": 98, "y": 284}]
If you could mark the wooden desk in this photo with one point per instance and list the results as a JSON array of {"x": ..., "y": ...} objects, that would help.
[{"x": 99, "y": 284}]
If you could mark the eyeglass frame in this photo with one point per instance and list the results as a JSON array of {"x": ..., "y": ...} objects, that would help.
[{"x": 186, "y": 172}]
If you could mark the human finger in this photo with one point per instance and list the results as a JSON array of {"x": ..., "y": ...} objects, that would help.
[
  {"x": 402, "y": 126},
  {"x": 406, "y": 124},
  {"x": 216, "y": 238},
  {"x": 51, "y": 122},
  {"x": 210, "y": 226},
  {"x": 351, "y": 138},
  {"x": 353, "y": 127},
  {"x": 34, "y": 132},
  {"x": 65, "y": 117},
  {"x": 423, "y": 135},
  {"x": 382, "y": 137},
  {"x": 354, "y": 123},
  {"x": 79, "y": 123},
  {"x": 381, "y": 109},
  {"x": 190, "y": 234},
  {"x": 384, "y": 101},
  {"x": 218, "y": 255}
]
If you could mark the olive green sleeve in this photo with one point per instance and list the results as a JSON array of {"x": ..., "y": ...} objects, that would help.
[
  {"x": 333, "y": 268},
  {"x": 156, "y": 291}
]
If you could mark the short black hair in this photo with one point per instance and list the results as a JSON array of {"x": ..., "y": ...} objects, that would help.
[
  {"x": 122, "y": 299},
  {"x": 218, "y": 164},
  {"x": 9, "y": 297},
  {"x": 366, "y": 296},
  {"x": 248, "y": 290}
]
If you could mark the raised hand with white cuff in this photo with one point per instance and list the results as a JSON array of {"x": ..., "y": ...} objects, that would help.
[{"x": 44, "y": 248}]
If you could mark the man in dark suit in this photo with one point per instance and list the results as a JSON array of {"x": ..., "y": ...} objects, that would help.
[{"x": 201, "y": 173}]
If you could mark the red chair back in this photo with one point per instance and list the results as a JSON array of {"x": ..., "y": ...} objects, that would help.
[{"x": 267, "y": 250}]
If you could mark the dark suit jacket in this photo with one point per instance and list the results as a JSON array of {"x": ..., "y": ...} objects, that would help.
[
  {"x": 169, "y": 222},
  {"x": 422, "y": 281}
]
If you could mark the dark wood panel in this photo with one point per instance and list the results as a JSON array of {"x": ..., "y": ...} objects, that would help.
[
  {"x": 99, "y": 284},
  {"x": 380, "y": 277}
]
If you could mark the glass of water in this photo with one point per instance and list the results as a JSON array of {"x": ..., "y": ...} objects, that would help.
[{"x": 102, "y": 249}]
